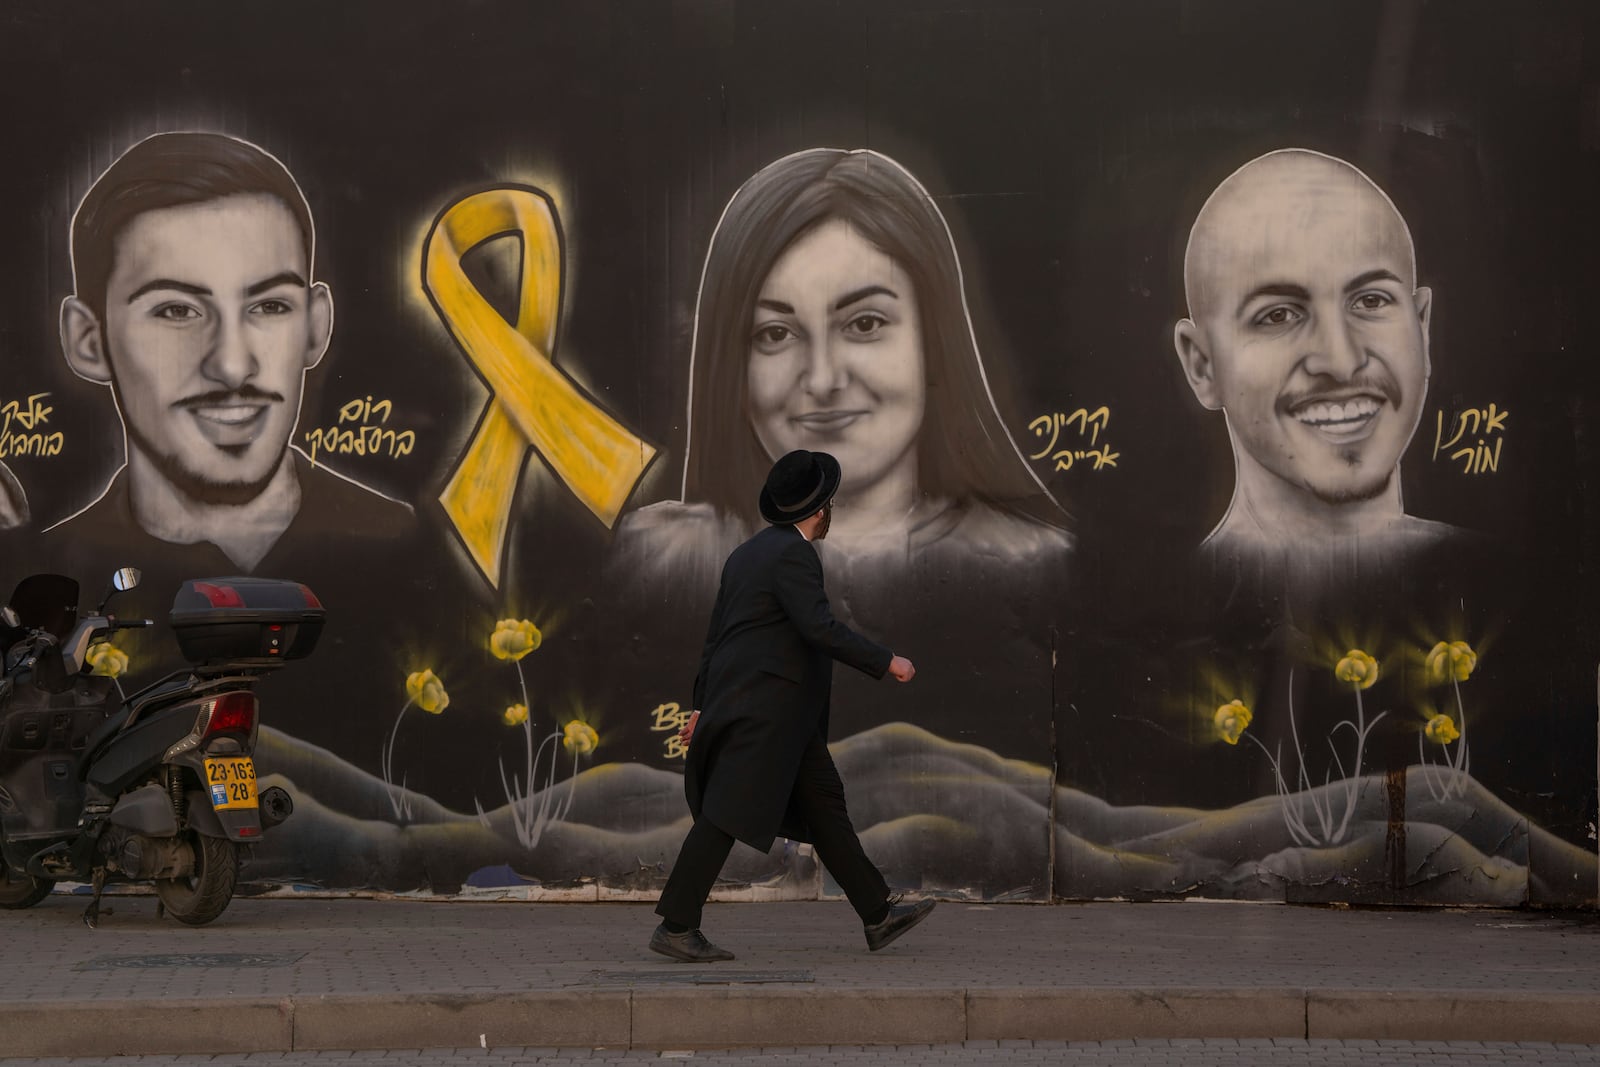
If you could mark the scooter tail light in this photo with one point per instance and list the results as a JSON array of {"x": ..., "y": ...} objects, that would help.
[
  {"x": 219, "y": 596},
  {"x": 232, "y": 713}
]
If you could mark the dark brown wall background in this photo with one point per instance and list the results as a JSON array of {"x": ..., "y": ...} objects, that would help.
[{"x": 1069, "y": 146}]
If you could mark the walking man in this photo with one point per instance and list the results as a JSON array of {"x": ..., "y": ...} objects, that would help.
[{"x": 759, "y": 766}]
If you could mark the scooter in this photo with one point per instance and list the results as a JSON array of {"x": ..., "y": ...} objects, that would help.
[{"x": 159, "y": 786}]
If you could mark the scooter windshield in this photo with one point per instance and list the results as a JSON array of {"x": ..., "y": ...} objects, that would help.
[{"x": 47, "y": 602}]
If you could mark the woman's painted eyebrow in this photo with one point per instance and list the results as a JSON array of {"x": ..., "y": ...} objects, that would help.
[
  {"x": 861, "y": 294},
  {"x": 845, "y": 301}
]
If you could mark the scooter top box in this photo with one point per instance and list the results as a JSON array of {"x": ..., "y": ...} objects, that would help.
[{"x": 245, "y": 621}]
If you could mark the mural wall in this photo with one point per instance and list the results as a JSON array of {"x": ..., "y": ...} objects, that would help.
[{"x": 1210, "y": 384}]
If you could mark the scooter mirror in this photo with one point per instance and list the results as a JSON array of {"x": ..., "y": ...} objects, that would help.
[{"x": 125, "y": 579}]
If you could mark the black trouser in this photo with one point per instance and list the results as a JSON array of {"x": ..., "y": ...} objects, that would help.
[{"x": 819, "y": 796}]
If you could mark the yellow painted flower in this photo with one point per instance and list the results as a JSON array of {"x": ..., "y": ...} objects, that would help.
[
  {"x": 1231, "y": 720},
  {"x": 579, "y": 738},
  {"x": 427, "y": 691},
  {"x": 514, "y": 638},
  {"x": 515, "y": 715},
  {"x": 107, "y": 660},
  {"x": 1454, "y": 661},
  {"x": 1441, "y": 730},
  {"x": 1357, "y": 668}
]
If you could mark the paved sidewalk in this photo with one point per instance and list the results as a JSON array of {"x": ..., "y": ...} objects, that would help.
[{"x": 281, "y": 974}]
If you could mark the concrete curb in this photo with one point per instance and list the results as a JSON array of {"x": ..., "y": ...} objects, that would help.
[
  {"x": 1035, "y": 1014},
  {"x": 1447, "y": 1015},
  {"x": 732, "y": 1017},
  {"x": 146, "y": 1027},
  {"x": 537, "y": 1019}
]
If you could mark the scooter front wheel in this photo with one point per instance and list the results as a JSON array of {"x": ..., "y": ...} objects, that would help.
[
  {"x": 22, "y": 890},
  {"x": 197, "y": 899}
]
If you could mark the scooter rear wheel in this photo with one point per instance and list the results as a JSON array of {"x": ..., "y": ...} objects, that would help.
[
  {"x": 202, "y": 896},
  {"x": 22, "y": 891}
]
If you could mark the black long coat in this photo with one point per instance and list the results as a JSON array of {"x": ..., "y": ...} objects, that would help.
[{"x": 764, "y": 684}]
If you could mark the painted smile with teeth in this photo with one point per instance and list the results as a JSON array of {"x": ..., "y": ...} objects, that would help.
[
  {"x": 231, "y": 419},
  {"x": 228, "y": 414},
  {"x": 1339, "y": 415}
]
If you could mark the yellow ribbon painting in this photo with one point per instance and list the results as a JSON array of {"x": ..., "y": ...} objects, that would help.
[{"x": 533, "y": 404}]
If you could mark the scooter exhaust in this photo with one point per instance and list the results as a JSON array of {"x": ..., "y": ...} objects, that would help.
[{"x": 276, "y": 806}]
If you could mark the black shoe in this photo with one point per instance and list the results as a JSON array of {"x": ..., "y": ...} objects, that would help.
[
  {"x": 690, "y": 946},
  {"x": 901, "y": 918}
]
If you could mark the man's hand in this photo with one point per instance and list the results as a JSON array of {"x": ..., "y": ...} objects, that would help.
[
  {"x": 901, "y": 669},
  {"x": 688, "y": 729}
]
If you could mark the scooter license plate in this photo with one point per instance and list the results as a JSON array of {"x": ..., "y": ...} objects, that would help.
[{"x": 232, "y": 782}]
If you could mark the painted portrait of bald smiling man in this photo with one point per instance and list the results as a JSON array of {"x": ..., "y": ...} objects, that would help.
[{"x": 1308, "y": 330}]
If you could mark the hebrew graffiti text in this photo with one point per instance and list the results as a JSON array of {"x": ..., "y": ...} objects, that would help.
[
  {"x": 1473, "y": 430},
  {"x": 361, "y": 431},
  {"x": 21, "y": 432},
  {"x": 1064, "y": 436}
]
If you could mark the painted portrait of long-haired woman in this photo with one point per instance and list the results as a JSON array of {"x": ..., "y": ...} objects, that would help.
[{"x": 832, "y": 316}]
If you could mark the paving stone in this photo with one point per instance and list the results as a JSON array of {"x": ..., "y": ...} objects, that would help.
[{"x": 1197, "y": 972}]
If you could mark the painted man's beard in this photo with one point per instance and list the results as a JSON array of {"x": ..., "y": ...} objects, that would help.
[
  {"x": 192, "y": 483},
  {"x": 1356, "y": 494},
  {"x": 198, "y": 486}
]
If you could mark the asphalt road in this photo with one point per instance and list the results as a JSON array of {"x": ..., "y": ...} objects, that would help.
[{"x": 1195, "y": 1053}]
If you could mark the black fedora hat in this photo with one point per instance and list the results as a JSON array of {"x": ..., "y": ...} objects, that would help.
[{"x": 798, "y": 485}]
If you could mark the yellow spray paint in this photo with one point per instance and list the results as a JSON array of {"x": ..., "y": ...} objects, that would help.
[{"x": 533, "y": 403}]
